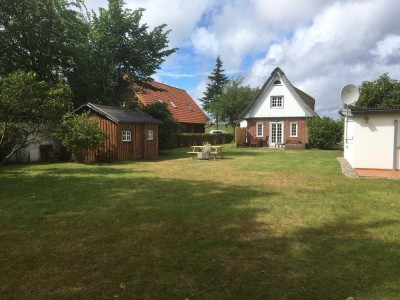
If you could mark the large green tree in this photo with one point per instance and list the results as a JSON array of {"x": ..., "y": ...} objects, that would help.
[
  {"x": 30, "y": 109},
  {"x": 233, "y": 100},
  {"x": 381, "y": 93},
  {"x": 124, "y": 53},
  {"x": 101, "y": 55},
  {"x": 215, "y": 87},
  {"x": 42, "y": 36}
]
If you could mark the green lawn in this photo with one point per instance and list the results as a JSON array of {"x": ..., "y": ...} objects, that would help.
[{"x": 260, "y": 224}]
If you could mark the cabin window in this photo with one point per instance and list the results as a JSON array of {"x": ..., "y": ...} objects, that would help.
[
  {"x": 259, "y": 130},
  {"x": 126, "y": 135},
  {"x": 150, "y": 135},
  {"x": 294, "y": 129},
  {"x": 276, "y": 101}
]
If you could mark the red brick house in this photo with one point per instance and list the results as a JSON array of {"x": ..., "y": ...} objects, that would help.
[
  {"x": 277, "y": 116},
  {"x": 184, "y": 109}
]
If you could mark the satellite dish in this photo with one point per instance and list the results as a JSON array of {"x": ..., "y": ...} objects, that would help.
[{"x": 349, "y": 94}]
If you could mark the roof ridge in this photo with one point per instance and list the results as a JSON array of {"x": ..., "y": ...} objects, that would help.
[
  {"x": 267, "y": 83},
  {"x": 162, "y": 83}
]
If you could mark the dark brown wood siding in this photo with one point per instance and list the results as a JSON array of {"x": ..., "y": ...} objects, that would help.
[
  {"x": 151, "y": 146},
  {"x": 115, "y": 149}
]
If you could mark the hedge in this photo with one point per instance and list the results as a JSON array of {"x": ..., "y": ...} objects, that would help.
[{"x": 191, "y": 139}]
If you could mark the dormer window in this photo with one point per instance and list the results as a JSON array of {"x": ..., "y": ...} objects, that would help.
[
  {"x": 277, "y": 82},
  {"x": 276, "y": 101}
]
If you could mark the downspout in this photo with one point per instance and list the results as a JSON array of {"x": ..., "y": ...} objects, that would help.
[{"x": 396, "y": 128}]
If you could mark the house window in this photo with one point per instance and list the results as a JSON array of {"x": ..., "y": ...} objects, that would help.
[
  {"x": 150, "y": 135},
  {"x": 294, "y": 129},
  {"x": 126, "y": 135},
  {"x": 277, "y": 101},
  {"x": 277, "y": 82},
  {"x": 259, "y": 130}
]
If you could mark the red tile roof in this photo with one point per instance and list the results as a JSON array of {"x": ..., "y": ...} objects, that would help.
[{"x": 182, "y": 106}]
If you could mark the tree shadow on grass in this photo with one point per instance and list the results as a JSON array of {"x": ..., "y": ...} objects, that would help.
[
  {"x": 172, "y": 238},
  {"x": 333, "y": 261},
  {"x": 65, "y": 237}
]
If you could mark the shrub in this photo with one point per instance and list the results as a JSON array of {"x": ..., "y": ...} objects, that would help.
[
  {"x": 79, "y": 133},
  {"x": 324, "y": 132}
]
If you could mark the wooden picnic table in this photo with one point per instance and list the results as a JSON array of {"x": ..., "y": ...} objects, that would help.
[{"x": 215, "y": 151}]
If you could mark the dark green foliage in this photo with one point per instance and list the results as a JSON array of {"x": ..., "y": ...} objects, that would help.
[
  {"x": 215, "y": 87},
  {"x": 324, "y": 132},
  {"x": 169, "y": 126},
  {"x": 101, "y": 56},
  {"x": 233, "y": 101},
  {"x": 192, "y": 139},
  {"x": 43, "y": 36},
  {"x": 381, "y": 93},
  {"x": 123, "y": 52},
  {"x": 79, "y": 133},
  {"x": 29, "y": 111}
]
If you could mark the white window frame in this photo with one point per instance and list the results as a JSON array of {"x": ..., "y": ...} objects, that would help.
[
  {"x": 262, "y": 129},
  {"x": 291, "y": 129},
  {"x": 126, "y": 135},
  {"x": 277, "y": 101},
  {"x": 150, "y": 134}
]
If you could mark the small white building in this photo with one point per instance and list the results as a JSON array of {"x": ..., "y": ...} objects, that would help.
[{"x": 372, "y": 139}]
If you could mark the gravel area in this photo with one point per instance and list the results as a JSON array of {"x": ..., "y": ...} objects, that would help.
[{"x": 346, "y": 168}]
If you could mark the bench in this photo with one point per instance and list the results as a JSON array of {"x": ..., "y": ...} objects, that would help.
[
  {"x": 193, "y": 153},
  {"x": 215, "y": 153}
]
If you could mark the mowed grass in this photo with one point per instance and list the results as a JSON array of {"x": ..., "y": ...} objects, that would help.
[{"x": 260, "y": 224}]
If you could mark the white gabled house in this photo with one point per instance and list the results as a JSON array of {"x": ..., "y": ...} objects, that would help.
[{"x": 278, "y": 114}]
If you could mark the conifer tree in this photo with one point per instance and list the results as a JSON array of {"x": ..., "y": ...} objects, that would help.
[{"x": 215, "y": 87}]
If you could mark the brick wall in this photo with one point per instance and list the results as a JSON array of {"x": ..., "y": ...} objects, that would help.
[{"x": 302, "y": 134}]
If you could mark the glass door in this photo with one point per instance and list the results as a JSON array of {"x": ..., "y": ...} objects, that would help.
[{"x": 276, "y": 133}]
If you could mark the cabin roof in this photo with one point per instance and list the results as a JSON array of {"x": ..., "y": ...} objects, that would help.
[{"x": 119, "y": 114}]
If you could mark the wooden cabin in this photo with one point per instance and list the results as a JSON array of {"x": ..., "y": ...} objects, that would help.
[{"x": 131, "y": 134}]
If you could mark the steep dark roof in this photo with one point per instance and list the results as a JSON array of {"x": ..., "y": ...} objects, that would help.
[
  {"x": 119, "y": 114},
  {"x": 310, "y": 101},
  {"x": 303, "y": 98}
]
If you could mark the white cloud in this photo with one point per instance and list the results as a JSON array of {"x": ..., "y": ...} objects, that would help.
[
  {"x": 334, "y": 49},
  {"x": 388, "y": 49},
  {"x": 181, "y": 16},
  {"x": 320, "y": 45}
]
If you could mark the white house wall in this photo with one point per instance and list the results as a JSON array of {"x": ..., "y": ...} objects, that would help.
[
  {"x": 291, "y": 107},
  {"x": 243, "y": 124},
  {"x": 374, "y": 141},
  {"x": 349, "y": 138}
]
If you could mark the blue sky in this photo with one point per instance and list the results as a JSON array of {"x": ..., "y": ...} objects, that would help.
[{"x": 320, "y": 45}]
